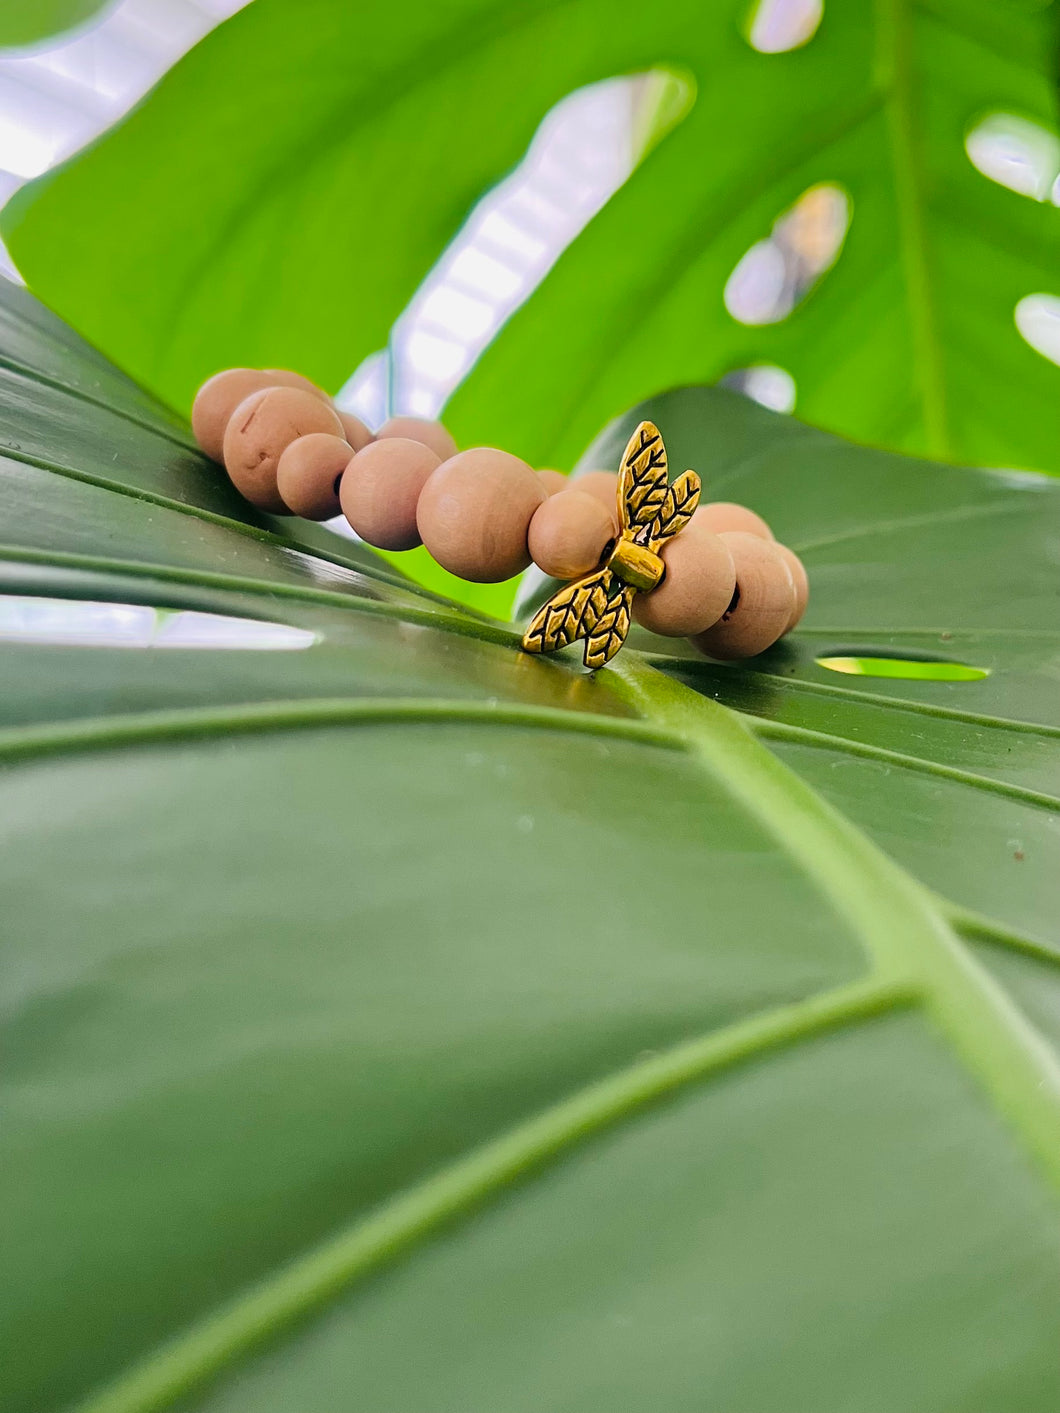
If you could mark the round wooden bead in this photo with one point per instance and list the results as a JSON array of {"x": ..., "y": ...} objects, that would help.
[
  {"x": 420, "y": 429},
  {"x": 801, "y": 582},
  {"x": 722, "y": 516},
  {"x": 475, "y": 511},
  {"x": 220, "y": 395},
  {"x": 553, "y": 482},
  {"x": 355, "y": 431},
  {"x": 568, "y": 534},
  {"x": 284, "y": 378},
  {"x": 603, "y": 485},
  {"x": 260, "y": 430},
  {"x": 307, "y": 474},
  {"x": 696, "y": 589},
  {"x": 381, "y": 487},
  {"x": 762, "y": 604}
]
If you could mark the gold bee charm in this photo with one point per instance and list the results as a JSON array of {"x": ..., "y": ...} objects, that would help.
[{"x": 650, "y": 512}]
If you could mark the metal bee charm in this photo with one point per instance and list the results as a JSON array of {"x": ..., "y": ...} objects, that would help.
[{"x": 650, "y": 512}]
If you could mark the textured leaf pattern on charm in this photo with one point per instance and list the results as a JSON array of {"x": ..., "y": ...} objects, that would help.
[
  {"x": 678, "y": 507},
  {"x": 642, "y": 479},
  {"x": 571, "y": 613},
  {"x": 610, "y": 631}
]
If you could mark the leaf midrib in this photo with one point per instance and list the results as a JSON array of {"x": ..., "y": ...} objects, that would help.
[{"x": 894, "y": 57}]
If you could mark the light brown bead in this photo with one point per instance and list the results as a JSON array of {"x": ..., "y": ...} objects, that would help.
[
  {"x": 475, "y": 511},
  {"x": 568, "y": 534},
  {"x": 801, "y": 582},
  {"x": 284, "y": 378},
  {"x": 308, "y": 472},
  {"x": 220, "y": 395},
  {"x": 420, "y": 429},
  {"x": 261, "y": 428},
  {"x": 553, "y": 482},
  {"x": 380, "y": 489},
  {"x": 723, "y": 516},
  {"x": 355, "y": 431},
  {"x": 763, "y": 602},
  {"x": 696, "y": 589},
  {"x": 604, "y": 486}
]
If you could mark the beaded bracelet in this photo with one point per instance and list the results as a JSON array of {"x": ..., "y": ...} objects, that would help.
[{"x": 633, "y": 543}]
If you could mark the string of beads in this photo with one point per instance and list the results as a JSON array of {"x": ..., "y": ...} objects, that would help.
[{"x": 484, "y": 514}]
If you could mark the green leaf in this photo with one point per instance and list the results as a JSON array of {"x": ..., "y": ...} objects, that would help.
[
  {"x": 290, "y": 221},
  {"x": 28, "y": 21},
  {"x": 405, "y": 1022}
]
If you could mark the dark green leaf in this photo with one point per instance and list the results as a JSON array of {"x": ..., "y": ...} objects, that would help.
[{"x": 404, "y": 1022}]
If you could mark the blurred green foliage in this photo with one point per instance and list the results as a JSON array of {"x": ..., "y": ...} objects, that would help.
[{"x": 280, "y": 196}]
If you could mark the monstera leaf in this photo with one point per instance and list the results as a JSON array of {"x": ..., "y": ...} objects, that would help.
[
  {"x": 281, "y": 195},
  {"x": 397, "y": 1021},
  {"x": 28, "y": 21}
]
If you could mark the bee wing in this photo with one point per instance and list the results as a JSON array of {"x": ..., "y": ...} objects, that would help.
[
  {"x": 678, "y": 507},
  {"x": 609, "y": 632},
  {"x": 642, "y": 477},
  {"x": 571, "y": 613}
]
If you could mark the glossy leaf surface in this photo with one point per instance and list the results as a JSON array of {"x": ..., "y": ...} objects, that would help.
[
  {"x": 329, "y": 175},
  {"x": 404, "y": 1022}
]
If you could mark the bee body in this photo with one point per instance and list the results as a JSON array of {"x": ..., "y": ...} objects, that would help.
[{"x": 651, "y": 511}]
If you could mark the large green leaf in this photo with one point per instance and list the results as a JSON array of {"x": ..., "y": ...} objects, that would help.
[
  {"x": 407, "y": 1023},
  {"x": 29, "y": 21},
  {"x": 283, "y": 192}
]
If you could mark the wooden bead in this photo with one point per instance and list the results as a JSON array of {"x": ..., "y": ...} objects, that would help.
[
  {"x": 381, "y": 487},
  {"x": 762, "y": 605},
  {"x": 801, "y": 582},
  {"x": 722, "y": 516},
  {"x": 604, "y": 486},
  {"x": 220, "y": 395},
  {"x": 553, "y": 482},
  {"x": 284, "y": 378},
  {"x": 260, "y": 430},
  {"x": 696, "y": 589},
  {"x": 420, "y": 429},
  {"x": 307, "y": 474},
  {"x": 475, "y": 511},
  {"x": 568, "y": 534},
  {"x": 356, "y": 433}
]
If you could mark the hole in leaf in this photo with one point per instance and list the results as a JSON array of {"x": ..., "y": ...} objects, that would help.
[
  {"x": 83, "y": 623},
  {"x": 778, "y": 25},
  {"x": 778, "y": 272},
  {"x": 1038, "y": 320},
  {"x": 764, "y": 383},
  {"x": 1016, "y": 153},
  {"x": 920, "y": 669}
]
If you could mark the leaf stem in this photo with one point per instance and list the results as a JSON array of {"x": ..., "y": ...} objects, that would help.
[
  {"x": 895, "y": 65},
  {"x": 906, "y": 933}
]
